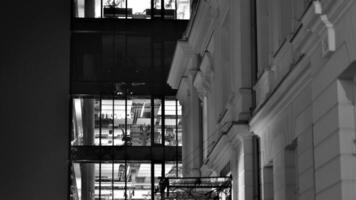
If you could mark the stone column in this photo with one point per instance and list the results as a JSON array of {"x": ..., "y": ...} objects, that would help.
[
  {"x": 240, "y": 141},
  {"x": 195, "y": 132},
  {"x": 88, "y": 169},
  {"x": 186, "y": 148},
  {"x": 192, "y": 149},
  {"x": 182, "y": 95}
]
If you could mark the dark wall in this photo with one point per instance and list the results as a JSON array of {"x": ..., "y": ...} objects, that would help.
[{"x": 34, "y": 88}]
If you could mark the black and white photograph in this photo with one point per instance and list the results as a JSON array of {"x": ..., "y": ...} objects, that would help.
[{"x": 178, "y": 100}]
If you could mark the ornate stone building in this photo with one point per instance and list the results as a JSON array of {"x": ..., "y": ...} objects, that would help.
[{"x": 267, "y": 89}]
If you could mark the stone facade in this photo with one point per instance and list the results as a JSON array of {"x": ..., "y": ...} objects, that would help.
[{"x": 301, "y": 106}]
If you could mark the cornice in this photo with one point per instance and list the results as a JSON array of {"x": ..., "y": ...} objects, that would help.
[
  {"x": 210, "y": 15},
  {"x": 229, "y": 144},
  {"x": 182, "y": 56},
  {"x": 315, "y": 29},
  {"x": 183, "y": 91},
  {"x": 204, "y": 77},
  {"x": 292, "y": 85}
]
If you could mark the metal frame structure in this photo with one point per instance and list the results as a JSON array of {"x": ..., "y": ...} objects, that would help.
[
  {"x": 155, "y": 153},
  {"x": 126, "y": 12},
  {"x": 212, "y": 188}
]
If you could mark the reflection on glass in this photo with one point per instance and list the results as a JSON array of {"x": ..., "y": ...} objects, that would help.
[
  {"x": 173, "y": 170},
  {"x": 87, "y": 8},
  {"x": 119, "y": 180},
  {"x": 157, "y": 176},
  {"x": 173, "y": 113},
  {"x": 119, "y": 122},
  {"x": 84, "y": 121},
  {"x": 116, "y": 8},
  {"x": 110, "y": 181},
  {"x": 83, "y": 181},
  {"x": 140, "y": 9},
  {"x": 156, "y": 8},
  {"x": 140, "y": 122},
  {"x": 131, "y": 9},
  {"x": 106, "y": 138},
  {"x": 179, "y": 125},
  {"x": 183, "y": 9},
  {"x": 170, "y": 123},
  {"x": 139, "y": 181},
  {"x": 103, "y": 181},
  {"x": 102, "y": 122},
  {"x": 157, "y": 121},
  {"x": 169, "y": 9}
]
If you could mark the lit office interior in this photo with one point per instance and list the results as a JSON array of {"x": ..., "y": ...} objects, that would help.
[
  {"x": 132, "y": 9},
  {"x": 122, "y": 147}
]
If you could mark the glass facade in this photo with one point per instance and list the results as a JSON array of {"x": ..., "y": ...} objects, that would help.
[
  {"x": 125, "y": 144},
  {"x": 114, "y": 121},
  {"x": 116, "y": 180},
  {"x": 132, "y": 9}
]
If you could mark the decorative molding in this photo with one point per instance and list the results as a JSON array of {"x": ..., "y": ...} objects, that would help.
[
  {"x": 329, "y": 40},
  {"x": 293, "y": 84},
  {"x": 204, "y": 77},
  {"x": 183, "y": 91},
  {"x": 317, "y": 28},
  {"x": 228, "y": 146},
  {"x": 263, "y": 87},
  {"x": 182, "y": 56},
  {"x": 210, "y": 15}
]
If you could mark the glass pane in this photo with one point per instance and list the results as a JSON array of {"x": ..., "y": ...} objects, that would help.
[
  {"x": 140, "y": 118},
  {"x": 106, "y": 181},
  {"x": 75, "y": 182},
  {"x": 169, "y": 9},
  {"x": 85, "y": 121},
  {"x": 83, "y": 181},
  {"x": 119, "y": 180},
  {"x": 87, "y": 8},
  {"x": 115, "y": 9},
  {"x": 157, "y": 175},
  {"x": 157, "y": 8},
  {"x": 107, "y": 114},
  {"x": 173, "y": 170},
  {"x": 179, "y": 130},
  {"x": 170, "y": 122},
  {"x": 157, "y": 121},
  {"x": 119, "y": 122},
  {"x": 139, "y": 181},
  {"x": 140, "y": 9},
  {"x": 183, "y": 9}
]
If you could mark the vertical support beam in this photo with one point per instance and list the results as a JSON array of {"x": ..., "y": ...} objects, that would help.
[
  {"x": 186, "y": 149},
  {"x": 176, "y": 131},
  {"x": 88, "y": 121},
  {"x": 192, "y": 148},
  {"x": 152, "y": 139},
  {"x": 194, "y": 131},
  {"x": 125, "y": 136},
  {"x": 89, "y": 9},
  {"x": 88, "y": 170},
  {"x": 245, "y": 168}
]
